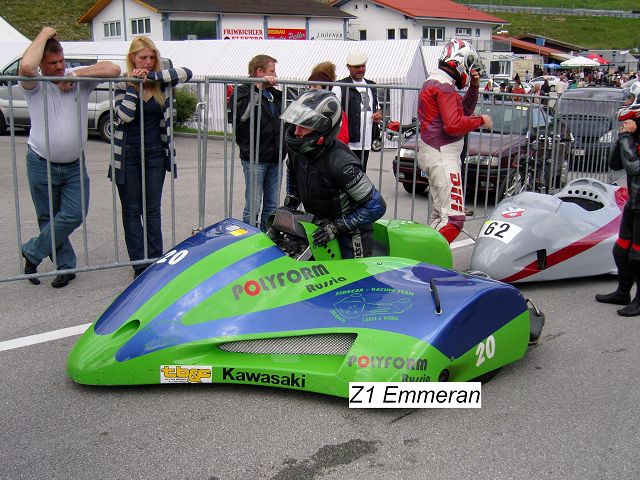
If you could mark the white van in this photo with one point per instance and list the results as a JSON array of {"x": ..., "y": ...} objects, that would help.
[{"x": 98, "y": 114}]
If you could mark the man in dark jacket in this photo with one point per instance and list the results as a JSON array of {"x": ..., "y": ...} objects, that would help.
[
  {"x": 361, "y": 105},
  {"x": 261, "y": 166},
  {"x": 327, "y": 178}
]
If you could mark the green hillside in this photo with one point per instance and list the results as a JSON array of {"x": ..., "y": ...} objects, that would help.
[
  {"x": 627, "y": 5},
  {"x": 589, "y": 32},
  {"x": 29, "y": 16}
]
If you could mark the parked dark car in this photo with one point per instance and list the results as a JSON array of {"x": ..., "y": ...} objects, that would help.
[
  {"x": 590, "y": 114},
  {"x": 522, "y": 152}
]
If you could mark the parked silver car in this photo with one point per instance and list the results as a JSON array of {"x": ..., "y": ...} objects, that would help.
[{"x": 99, "y": 104}]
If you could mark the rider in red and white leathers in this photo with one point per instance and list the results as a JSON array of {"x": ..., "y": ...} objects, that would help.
[{"x": 445, "y": 118}]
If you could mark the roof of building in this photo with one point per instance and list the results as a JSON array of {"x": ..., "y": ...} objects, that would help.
[
  {"x": 443, "y": 9},
  {"x": 307, "y": 8},
  {"x": 553, "y": 41},
  {"x": 530, "y": 47}
]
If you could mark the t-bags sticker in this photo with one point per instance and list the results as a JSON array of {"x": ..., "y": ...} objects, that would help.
[
  {"x": 235, "y": 230},
  {"x": 503, "y": 231},
  {"x": 185, "y": 374}
]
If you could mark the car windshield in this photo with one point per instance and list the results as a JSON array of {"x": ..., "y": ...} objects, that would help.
[{"x": 514, "y": 118}]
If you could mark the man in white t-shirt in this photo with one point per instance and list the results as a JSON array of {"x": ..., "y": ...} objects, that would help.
[
  {"x": 361, "y": 106},
  {"x": 56, "y": 143}
]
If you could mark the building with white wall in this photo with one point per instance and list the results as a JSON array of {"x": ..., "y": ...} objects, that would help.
[
  {"x": 215, "y": 19},
  {"x": 434, "y": 22}
]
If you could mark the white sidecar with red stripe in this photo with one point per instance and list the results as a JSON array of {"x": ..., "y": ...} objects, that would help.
[{"x": 534, "y": 237}]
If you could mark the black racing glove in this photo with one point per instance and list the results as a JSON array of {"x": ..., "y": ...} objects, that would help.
[
  {"x": 291, "y": 201},
  {"x": 328, "y": 230}
]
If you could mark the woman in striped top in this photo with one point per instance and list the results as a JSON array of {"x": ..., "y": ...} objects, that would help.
[{"x": 144, "y": 125}]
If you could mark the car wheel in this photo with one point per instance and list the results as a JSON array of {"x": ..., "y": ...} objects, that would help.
[
  {"x": 511, "y": 185},
  {"x": 104, "y": 128},
  {"x": 553, "y": 88},
  {"x": 420, "y": 189},
  {"x": 3, "y": 124},
  {"x": 376, "y": 145},
  {"x": 487, "y": 377}
]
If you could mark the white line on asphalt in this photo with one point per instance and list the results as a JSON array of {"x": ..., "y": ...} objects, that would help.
[
  {"x": 462, "y": 243},
  {"x": 79, "y": 330},
  {"x": 43, "y": 337}
]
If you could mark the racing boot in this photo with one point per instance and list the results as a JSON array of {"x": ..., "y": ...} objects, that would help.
[
  {"x": 631, "y": 310},
  {"x": 615, "y": 298},
  {"x": 626, "y": 276}
]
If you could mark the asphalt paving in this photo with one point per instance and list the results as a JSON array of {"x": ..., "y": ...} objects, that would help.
[{"x": 568, "y": 410}]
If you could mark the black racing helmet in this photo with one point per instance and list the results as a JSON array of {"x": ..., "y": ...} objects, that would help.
[{"x": 318, "y": 110}]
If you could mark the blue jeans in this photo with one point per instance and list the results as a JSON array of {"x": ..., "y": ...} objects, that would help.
[
  {"x": 130, "y": 193},
  {"x": 266, "y": 191},
  {"x": 67, "y": 208}
]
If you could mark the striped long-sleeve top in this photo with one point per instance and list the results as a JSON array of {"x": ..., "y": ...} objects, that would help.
[{"x": 126, "y": 103}]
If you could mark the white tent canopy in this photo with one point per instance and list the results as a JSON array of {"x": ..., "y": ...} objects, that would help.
[
  {"x": 580, "y": 62},
  {"x": 396, "y": 62},
  {"x": 392, "y": 62},
  {"x": 10, "y": 34}
]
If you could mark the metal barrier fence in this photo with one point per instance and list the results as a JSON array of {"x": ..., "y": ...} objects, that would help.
[{"x": 532, "y": 147}]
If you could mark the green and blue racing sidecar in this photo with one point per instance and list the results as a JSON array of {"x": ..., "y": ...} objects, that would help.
[{"x": 234, "y": 305}]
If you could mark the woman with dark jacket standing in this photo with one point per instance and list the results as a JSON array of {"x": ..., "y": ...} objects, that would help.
[{"x": 144, "y": 134}]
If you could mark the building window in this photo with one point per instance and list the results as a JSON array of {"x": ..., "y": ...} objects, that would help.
[
  {"x": 463, "y": 31},
  {"x": 391, "y": 33},
  {"x": 111, "y": 29},
  {"x": 140, "y": 26},
  {"x": 403, "y": 34},
  {"x": 433, "y": 35},
  {"x": 193, "y": 30},
  {"x": 363, "y": 34},
  {"x": 477, "y": 32}
]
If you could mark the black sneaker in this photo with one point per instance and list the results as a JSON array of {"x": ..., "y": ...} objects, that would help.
[
  {"x": 29, "y": 268},
  {"x": 616, "y": 298},
  {"x": 63, "y": 280},
  {"x": 631, "y": 310}
]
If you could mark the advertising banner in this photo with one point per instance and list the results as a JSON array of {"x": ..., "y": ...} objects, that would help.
[
  {"x": 287, "y": 33},
  {"x": 243, "y": 34}
]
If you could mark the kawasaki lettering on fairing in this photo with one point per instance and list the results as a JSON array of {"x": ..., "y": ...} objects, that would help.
[
  {"x": 364, "y": 361},
  {"x": 276, "y": 280},
  {"x": 291, "y": 380}
]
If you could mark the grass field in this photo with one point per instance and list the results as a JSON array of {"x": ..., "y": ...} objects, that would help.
[
  {"x": 29, "y": 16},
  {"x": 588, "y": 32},
  {"x": 627, "y": 5}
]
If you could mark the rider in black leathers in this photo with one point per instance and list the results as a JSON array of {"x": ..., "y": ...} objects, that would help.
[
  {"x": 626, "y": 251},
  {"x": 327, "y": 177}
]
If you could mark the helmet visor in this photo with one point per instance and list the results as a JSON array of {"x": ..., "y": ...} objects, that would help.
[{"x": 303, "y": 116}]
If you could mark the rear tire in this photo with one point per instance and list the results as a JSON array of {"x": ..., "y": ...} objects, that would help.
[
  {"x": 104, "y": 128},
  {"x": 420, "y": 189},
  {"x": 511, "y": 185},
  {"x": 487, "y": 377}
]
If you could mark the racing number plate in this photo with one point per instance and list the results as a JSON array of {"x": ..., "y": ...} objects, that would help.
[{"x": 503, "y": 231}]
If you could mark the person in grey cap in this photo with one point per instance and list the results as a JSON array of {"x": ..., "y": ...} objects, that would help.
[{"x": 361, "y": 105}]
